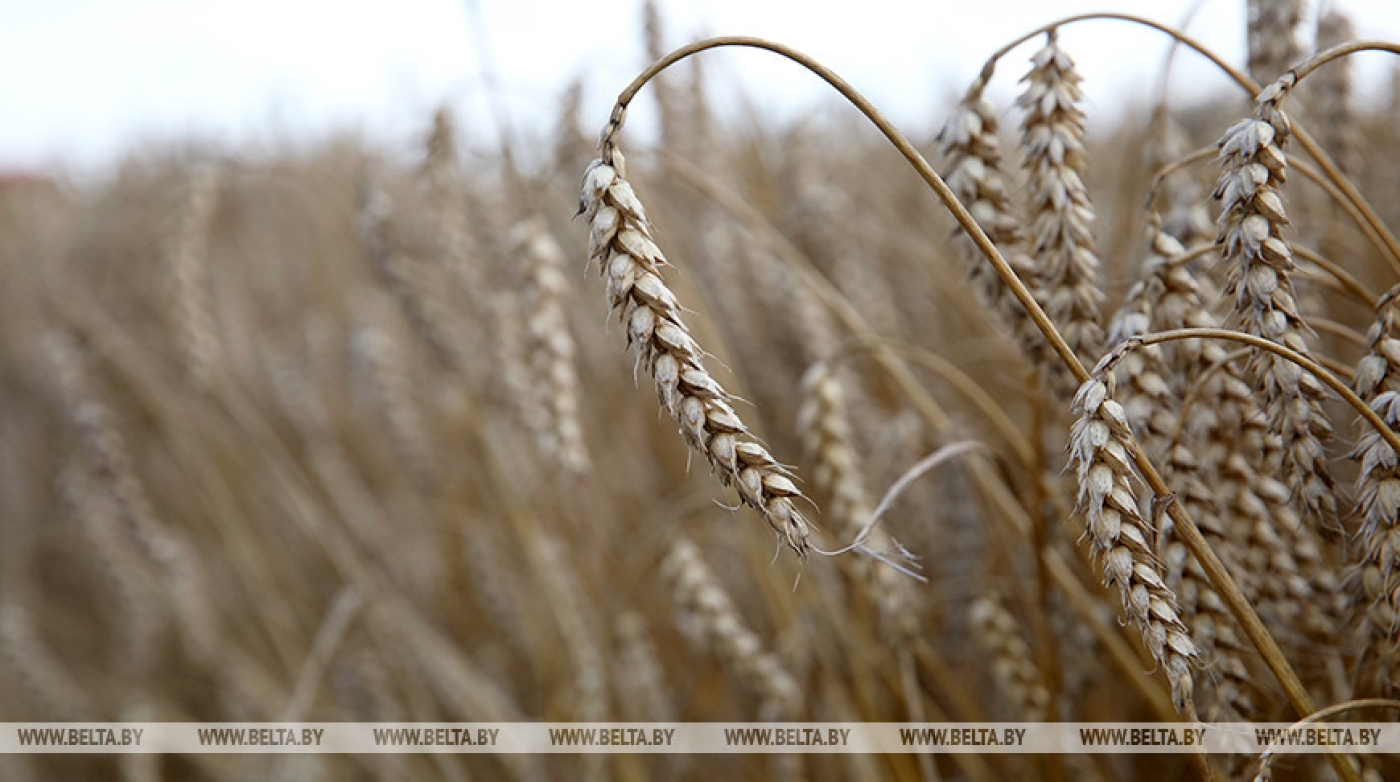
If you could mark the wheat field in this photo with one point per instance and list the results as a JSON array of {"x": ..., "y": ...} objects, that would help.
[{"x": 761, "y": 421}]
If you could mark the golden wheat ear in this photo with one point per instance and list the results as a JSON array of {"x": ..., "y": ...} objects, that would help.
[
  {"x": 620, "y": 242},
  {"x": 1100, "y": 446}
]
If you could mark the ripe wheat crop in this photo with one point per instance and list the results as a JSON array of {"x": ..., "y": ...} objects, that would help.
[{"x": 1047, "y": 418}]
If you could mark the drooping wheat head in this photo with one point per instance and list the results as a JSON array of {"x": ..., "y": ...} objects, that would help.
[
  {"x": 620, "y": 242},
  {"x": 1101, "y": 444}
]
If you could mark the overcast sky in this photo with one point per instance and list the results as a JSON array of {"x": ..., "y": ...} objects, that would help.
[{"x": 87, "y": 80}]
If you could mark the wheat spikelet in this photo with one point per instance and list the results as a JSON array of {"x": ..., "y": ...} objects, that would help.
[
  {"x": 1259, "y": 260},
  {"x": 1058, "y": 210},
  {"x": 1013, "y": 667},
  {"x": 551, "y": 350},
  {"x": 698, "y": 592},
  {"x": 1374, "y": 579},
  {"x": 189, "y": 270},
  {"x": 620, "y": 241},
  {"x": 1101, "y": 444},
  {"x": 971, "y": 150}
]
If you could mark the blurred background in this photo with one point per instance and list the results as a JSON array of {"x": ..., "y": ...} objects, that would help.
[
  {"x": 95, "y": 79},
  {"x": 311, "y": 405}
]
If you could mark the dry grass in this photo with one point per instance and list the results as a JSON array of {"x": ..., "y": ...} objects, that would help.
[{"x": 343, "y": 434}]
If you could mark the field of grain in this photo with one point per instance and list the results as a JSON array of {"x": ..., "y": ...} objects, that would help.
[{"x": 740, "y": 425}]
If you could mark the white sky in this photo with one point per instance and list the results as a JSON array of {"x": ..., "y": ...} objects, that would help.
[{"x": 86, "y": 80}]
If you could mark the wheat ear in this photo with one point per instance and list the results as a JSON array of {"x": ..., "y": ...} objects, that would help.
[
  {"x": 827, "y": 443},
  {"x": 972, "y": 159},
  {"x": 1013, "y": 667},
  {"x": 1169, "y": 296},
  {"x": 1272, "y": 37},
  {"x": 1375, "y": 576},
  {"x": 1260, "y": 262},
  {"x": 1101, "y": 447},
  {"x": 551, "y": 352},
  {"x": 1059, "y": 211},
  {"x": 698, "y": 591},
  {"x": 189, "y": 268},
  {"x": 620, "y": 241}
]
